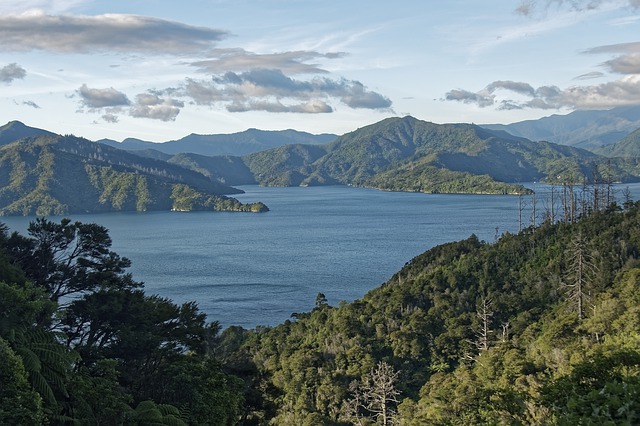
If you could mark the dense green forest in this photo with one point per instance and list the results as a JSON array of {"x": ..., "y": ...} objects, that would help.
[
  {"x": 539, "y": 327},
  {"x": 60, "y": 175},
  {"x": 406, "y": 154}
]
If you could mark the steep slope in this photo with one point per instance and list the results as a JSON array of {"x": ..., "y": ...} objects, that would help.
[
  {"x": 234, "y": 144},
  {"x": 60, "y": 175},
  {"x": 627, "y": 147},
  {"x": 224, "y": 169},
  {"x": 406, "y": 154},
  {"x": 537, "y": 328},
  {"x": 14, "y": 130},
  {"x": 583, "y": 129}
]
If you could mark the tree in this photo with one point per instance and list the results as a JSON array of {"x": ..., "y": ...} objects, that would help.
[
  {"x": 19, "y": 404},
  {"x": 70, "y": 259},
  {"x": 581, "y": 267},
  {"x": 484, "y": 314},
  {"x": 375, "y": 397}
]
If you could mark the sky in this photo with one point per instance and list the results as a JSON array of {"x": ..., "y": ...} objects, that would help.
[{"x": 159, "y": 70}]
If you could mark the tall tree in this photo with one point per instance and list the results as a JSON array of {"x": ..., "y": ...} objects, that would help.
[
  {"x": 375, "y": 397},
  {"x": 581, "y": 268}
]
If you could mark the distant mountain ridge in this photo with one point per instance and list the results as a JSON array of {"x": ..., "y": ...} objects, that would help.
[
  {"x": 398, "y": 154},
  {"x": 236, "y": 144},
  {"x": 407, "y": 154},
  {"x": 588, "y": 129}
]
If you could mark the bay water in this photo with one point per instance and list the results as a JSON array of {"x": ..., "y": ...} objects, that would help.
[{"x": 251, "y": 269}]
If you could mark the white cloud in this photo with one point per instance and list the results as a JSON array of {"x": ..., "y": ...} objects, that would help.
[
  {"x": 103, "y": 33},
  {"x": 155, "y": 107},
  {"x": 102, "y": 98},
  {"x": 625, "y": 91},
  {"x": 257, "y": 89},
  {"x": 12, "y": 72},
  {"x": 239, "y": 80},
  {"x": 238, "y": 60},
  {"x": 626, "y": 63}
]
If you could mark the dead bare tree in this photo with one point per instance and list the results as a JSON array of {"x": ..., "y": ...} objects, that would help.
[
  {"x": 483, "y": 335},
  {"x": 373, "y": 398},
  {"x": 581, "y": 269},
  {"x": 521, "y": 207}
]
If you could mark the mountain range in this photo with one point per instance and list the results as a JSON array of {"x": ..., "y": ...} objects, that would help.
[
  {"x": 407, "y": 154},
  {"x": 44, "y": 173},
  {"x": 588, "y": 129},
  {"x": 237, "y": 144}
]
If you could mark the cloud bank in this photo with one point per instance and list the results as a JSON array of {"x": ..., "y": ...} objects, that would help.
[
  {"x": 625, "y": 91},
  {"x": 12, "y": 72},
  {"x": 236, "y": 79},
  {"x": 111, "y": 32},
  {"x": 257, "y": 89}
]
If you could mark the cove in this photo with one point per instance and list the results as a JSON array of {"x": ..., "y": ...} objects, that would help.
[{"x": 252, "y": 269}]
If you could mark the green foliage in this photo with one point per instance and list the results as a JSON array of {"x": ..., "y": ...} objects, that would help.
[
  {"x": 186, "y": 199},
  {"x": 288, "y": 165},
  {"x": 151, "y": 414},
  {"x": 533, "y": 366},
  {"x": 627, "y": 147},
  {"x": 406, "y": 154},
  {"x": 225, "y": 169},
  {"x": 469, "y": 332},
  {"x": 113, "y": 346},
  {"x": 19, "y": 404},
  {"x": 56, "y": 175},
  {"x": 431, "y": 179}
]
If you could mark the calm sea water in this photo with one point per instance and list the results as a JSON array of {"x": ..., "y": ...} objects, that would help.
[{"x": 257, "y": 269}]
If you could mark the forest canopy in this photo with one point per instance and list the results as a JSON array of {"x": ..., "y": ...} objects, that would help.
[{"x": 538, "y": 327}]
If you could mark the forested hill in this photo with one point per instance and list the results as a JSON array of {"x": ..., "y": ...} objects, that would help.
[
  {"x": 57, "y": 175},
  {"x": 542, "y": 327},
  {"x": 14, "y": 130},
  {"x": 627, "y": 147},
  {"x": 407, "y": 154}
]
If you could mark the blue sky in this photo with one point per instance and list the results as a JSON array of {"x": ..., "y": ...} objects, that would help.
[{"x": 159, "y": 70}]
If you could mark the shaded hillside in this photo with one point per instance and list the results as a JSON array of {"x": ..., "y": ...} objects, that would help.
[
  {"x": 234, "y": 144},
  {"x": 406, "y": 154},
  {"x": 289, "y": 165},
  {"x": 59, "y": 175},
  {"x": 537, "y": 328},
  {"x": 14, "y": 130},
  {"x": 583, "y": 129},
  {"x": 627, "y": 147},
  {"x": 224, "y": 169}
]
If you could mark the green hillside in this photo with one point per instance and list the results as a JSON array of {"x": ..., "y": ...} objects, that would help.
[
  {"x": 629, "y": 147},
  {"x": 542, "y": 327},
  {"x": 55, "y": 175},
  {"x": 14, "y": 130},
  {"x": 224, "y": 169},
  {"x": 411, "y": 155},
  {"x": 538, "y": 328}
]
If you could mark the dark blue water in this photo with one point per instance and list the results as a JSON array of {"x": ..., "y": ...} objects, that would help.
[{"x": 256, "y": 269}]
